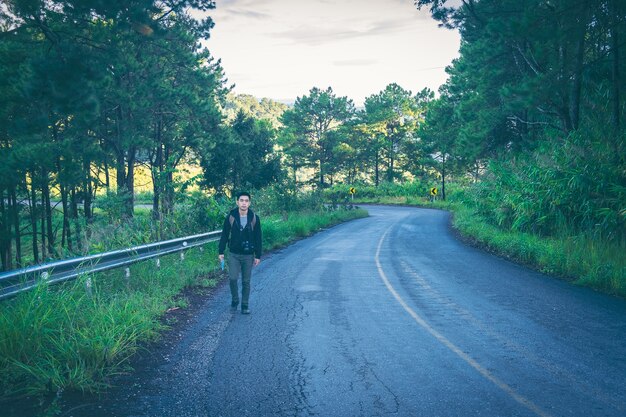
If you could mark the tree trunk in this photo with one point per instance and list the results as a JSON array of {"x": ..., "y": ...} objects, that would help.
[
  {"x": 120, "y": 168},
  {"x": 48, "y": 212},
  {"x": 157, "y": 168},
  {"x": 130, "y": 182},
  {"x": 615, "y": 72},
  {"x": 125, "y": 182},
  {"x": 294, "y": 166},
  {"x": 168, "y": 183},
  {"x": 5, "y": 240},
  {"x": 88, "y": 194},
  {"x": 16, "y": 223},
  {"x": 33, "y": 219},
  {"x": 390, "y": 172},
  {"x": 577, "y": 73},
  {"x": 74, "y": 210},
  {"x": 377, "y": 169},
  {"x": 169, "y": 192},
  {"x": 156, "y": 210},
  {"x": 65, "y": 229},
  {"x": 443, "y": 177},
  {"x": 42, "y": 219},
  {"x": 107, "y": 175},
  {"x": 563, "y": 107}
]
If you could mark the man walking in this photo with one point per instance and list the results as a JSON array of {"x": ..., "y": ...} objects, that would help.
[{"x": 242, "y": 232}]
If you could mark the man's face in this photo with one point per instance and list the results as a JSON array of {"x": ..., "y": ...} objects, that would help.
[{"x": 243, "y": 202}]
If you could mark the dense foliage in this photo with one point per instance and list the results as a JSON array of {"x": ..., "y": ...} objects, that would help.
[
  {"x": 265, "y": 108},
  {"x": 534, "y": 110},
  {"x": 325, "y": 135},
  {"x": 91, "y": 90}
]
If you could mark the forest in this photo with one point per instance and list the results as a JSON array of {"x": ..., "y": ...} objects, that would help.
[{"x": 528, "y": 130}]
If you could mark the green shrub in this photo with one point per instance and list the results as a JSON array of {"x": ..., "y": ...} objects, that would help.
[
  {"x": 385, "y": 192},
  {"x": 566, "y": 187}
]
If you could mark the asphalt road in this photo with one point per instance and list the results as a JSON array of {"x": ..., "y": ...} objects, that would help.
[{"x": 390, "y": 316}]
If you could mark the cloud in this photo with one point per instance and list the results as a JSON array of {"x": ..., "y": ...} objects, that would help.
[
  {"x": 236, "y": 9},
  {"x": 237, "y": 14},
  {"x": 313, "y": 35},
  {"x": 250, "y": 13},
  {"x": 355, "y": 62},
  {"x": 231, "y": 3}
]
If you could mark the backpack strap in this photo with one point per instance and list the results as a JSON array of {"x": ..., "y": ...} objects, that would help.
[{"x": 231, "y": 220}]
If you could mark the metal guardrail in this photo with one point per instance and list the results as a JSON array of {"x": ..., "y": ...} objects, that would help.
[{"x": 20, "y": 280}]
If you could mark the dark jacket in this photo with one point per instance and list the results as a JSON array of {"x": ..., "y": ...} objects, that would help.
[{"x": 235, "y": 235}]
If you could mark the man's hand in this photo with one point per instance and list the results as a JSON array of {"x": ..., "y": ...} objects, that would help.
[{"x": 256, "y": 261}]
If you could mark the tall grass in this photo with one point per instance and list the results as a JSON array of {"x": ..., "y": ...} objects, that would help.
[
  {"x": 65, "y": 337},
  {"x": 586, "y": 260}
]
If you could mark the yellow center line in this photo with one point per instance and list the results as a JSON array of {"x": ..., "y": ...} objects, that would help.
[{"x": 444, "y": 341}]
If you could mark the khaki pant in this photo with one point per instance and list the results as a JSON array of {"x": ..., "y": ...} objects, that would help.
[{"x": 240, "y": 265}]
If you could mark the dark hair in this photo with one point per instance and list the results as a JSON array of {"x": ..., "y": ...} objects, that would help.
[{"x": 243, "y": 193}]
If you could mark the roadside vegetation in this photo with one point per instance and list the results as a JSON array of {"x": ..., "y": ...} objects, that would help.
[
  {"x": 583, "y": 257},
  {"x": 71, "y": 337}
]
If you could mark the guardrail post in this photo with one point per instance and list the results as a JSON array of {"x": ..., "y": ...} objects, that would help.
[
  {"x": 45, "y": 275},
  {"x": 158, "y": 262},
  {"x": 88, "y": 284},
  {"x": 182, "y": 252}
]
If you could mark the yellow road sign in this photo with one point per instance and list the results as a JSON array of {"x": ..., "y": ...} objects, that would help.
[
  {"x": 352, "y": 190},
  {"x": 434, "y": 191}
]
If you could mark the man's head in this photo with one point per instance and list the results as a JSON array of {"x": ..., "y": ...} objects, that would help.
[{"x": 243, "y": 200}]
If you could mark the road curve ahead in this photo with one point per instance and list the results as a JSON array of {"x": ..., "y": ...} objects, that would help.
[{"x": 392, "y": 316}]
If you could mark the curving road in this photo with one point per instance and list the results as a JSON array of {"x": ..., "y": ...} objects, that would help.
[{"x": 391, "y": 316}]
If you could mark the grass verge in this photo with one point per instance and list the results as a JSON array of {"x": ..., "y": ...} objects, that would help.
[
  {"x": 67, "y": 337},
  {"x": 582, "y": 260}
]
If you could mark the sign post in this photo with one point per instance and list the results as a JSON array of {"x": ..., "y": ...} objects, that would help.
[{"x": 433, "y": 193}]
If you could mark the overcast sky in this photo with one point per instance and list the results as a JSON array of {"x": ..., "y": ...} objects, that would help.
[{"x": 280, "y": 49}]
